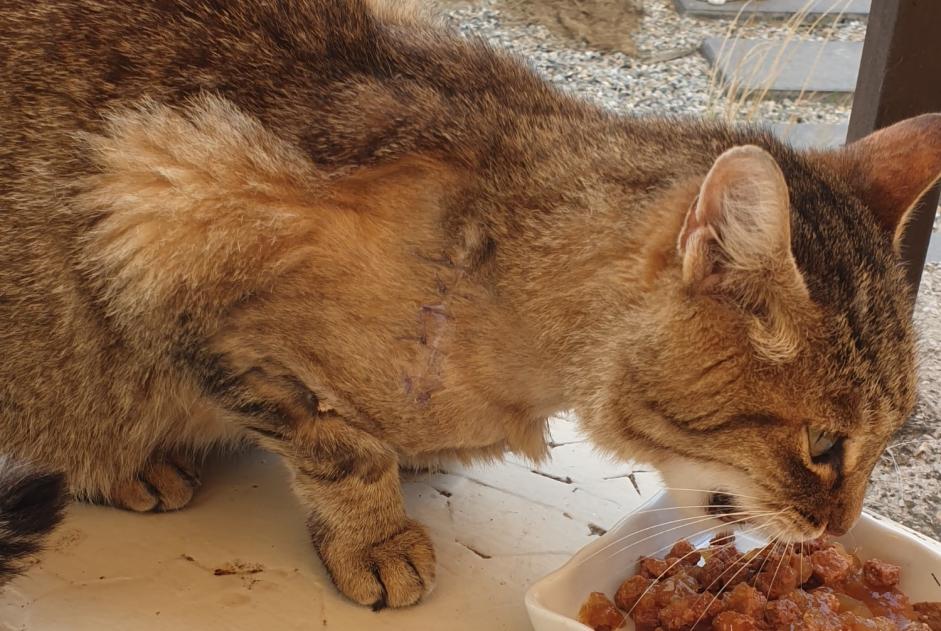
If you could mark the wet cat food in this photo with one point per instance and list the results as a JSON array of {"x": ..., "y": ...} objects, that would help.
[{"x": 811, "y": 586}]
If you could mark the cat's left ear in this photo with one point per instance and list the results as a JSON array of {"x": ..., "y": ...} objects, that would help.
[
  {"x": 739, "y": 227},
  {"x": 736, "y": 243},
  {"x": 891, "y": 169}
]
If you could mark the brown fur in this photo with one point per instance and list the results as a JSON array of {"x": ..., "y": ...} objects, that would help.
[{"x": 362, "y": 242}]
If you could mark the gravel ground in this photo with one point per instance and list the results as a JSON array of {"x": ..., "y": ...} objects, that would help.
[
  {"x": 641, "y": 84},
  {"x": 911, "y": 493},
  {"x": 668, "y": 75}
]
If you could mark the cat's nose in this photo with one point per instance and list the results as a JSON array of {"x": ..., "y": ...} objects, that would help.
[
  {"x": 844, "y": 513},
  {"x": 836, "y": 530}
]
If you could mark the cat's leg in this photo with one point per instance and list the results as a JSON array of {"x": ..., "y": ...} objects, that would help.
[
  {"x": 165, "y": 483},
  {"x": 348, "y": 482},
  {"x": 346, "y": 478}
]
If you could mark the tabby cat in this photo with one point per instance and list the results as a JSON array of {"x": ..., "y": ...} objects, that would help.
[
  {"x": 336, "y": 230},
  {"x": 31, "y": 504}
]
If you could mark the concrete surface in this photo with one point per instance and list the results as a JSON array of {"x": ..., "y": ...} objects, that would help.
[
  {"x": 239, "y": 559},
  {"x": 775, "y": 9},
  {"x": 786, "y": 68},
  {"x": 812, "y": 135},
  {"x": 934, "y": 248},
  {"x": 497, "y": 529}
]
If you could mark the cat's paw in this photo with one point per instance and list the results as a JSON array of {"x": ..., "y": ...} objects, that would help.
[
  {"x": 395, "y": 572},
  {"x": 163, "y": 485}
]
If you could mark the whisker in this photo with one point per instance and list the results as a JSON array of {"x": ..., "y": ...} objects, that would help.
[
  {"x": 688, "y": 521},
  {"x": 905, "y": 442},
  {"x": 711, "y": 492},
  {"x": 672, "y": 565},
  {"x": 856, "y": 546},
  {"x": 767, "y": 523},
  {"x": 737, "y": 521},
  {"x": 778, "y": 568},
  {"x": 662, "y": 574},
  {"x": 761, "y": 568},
  {"x": 801, "y": 560},
  {"x": 663, "y": 549},
  {"x": 659, "y": 551},
  {"x": 749, "y": 560},
  {"x": 745, "y": 563},
  {"x": 656, "y": 510},
  {"x": 898, "y": 477},
  {"x": 716, "y": 595}
]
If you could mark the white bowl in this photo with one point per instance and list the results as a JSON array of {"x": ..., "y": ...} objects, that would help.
[{"x": 601, "y": 566}]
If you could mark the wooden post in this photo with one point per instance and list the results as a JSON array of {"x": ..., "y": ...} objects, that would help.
[{"x": 900, "y": 77}]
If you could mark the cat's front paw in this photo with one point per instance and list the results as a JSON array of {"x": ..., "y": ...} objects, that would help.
[
  {"x": 165, "y": 484},
  {"x": 394, "y": 572}
]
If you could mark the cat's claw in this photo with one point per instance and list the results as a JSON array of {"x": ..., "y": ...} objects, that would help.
[
  {"x": 163, "y": 485},
  {"x": 395, "y": 572}
]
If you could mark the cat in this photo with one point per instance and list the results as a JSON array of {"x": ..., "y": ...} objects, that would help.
[
  {"x": 32, "y": 503},
  {"x": 341, "y": 232}
]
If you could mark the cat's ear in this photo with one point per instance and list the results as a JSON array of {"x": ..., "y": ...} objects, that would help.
[
  {"x": 736, "y": 243},
  {"x": 892, "y": 168},
  {"x": 739, "y": 224}
]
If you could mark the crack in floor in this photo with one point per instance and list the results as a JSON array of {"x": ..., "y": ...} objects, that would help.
[
  {"x": 552, "y": 444},
  {"x": 482, "y": 555},
  {"x": 557, "y": 478},
  {"x": 633, "y": 480},
  {"x": 510, "y": 493},
  {"x": 528, "y": 498},
  {"x": 632, "y": 476}
]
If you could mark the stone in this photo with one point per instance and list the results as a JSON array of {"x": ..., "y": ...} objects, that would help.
[
  {"x": 786, "y": 67},
  {"x": 812, "y": 135},
  {"x": 775, "y": 9},
  {"x": 934, "y": 248}
]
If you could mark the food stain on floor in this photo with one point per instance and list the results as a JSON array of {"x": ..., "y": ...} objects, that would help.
[
  {"x": 67, "y": 539},
  {"x": 236, "y": 567}
]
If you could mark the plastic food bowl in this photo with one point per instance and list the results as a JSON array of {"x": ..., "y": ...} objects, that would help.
[{"x": 601, "y": 566}]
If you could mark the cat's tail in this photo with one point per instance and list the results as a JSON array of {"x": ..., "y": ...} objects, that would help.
[{"x": 32, "y": 503}]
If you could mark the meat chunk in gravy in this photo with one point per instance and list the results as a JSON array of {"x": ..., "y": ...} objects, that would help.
[{"x": 811, "y": 586}]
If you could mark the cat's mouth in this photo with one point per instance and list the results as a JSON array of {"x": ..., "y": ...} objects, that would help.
[{"x": 722, "y": 506}]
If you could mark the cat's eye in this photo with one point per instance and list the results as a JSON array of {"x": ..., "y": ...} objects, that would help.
[{"x": 820, "y": 443}]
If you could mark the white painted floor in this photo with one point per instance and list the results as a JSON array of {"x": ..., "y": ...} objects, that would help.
[{"x": 497, "y": 530}]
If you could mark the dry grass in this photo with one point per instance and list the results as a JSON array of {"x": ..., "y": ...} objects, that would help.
[{"x": 734, "y": 97}]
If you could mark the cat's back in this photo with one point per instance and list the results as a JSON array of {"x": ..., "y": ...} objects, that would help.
[
  {"x": 65, "y": 63},
  {"x": 66, "y": 66},
  {"x": 345, "y": 80}
]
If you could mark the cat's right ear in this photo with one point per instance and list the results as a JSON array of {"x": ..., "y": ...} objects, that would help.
[
  {"x": 891, "y": 169},
  {"x": 739, "y": 225}
]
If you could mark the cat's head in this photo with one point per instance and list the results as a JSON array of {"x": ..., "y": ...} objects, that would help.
[{"x": 776, "y": 356}]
